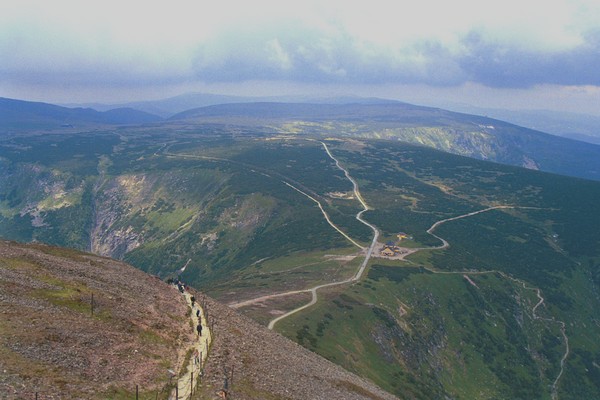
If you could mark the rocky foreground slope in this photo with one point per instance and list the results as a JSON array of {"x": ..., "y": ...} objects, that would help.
[{"x": 53, "y": 343}]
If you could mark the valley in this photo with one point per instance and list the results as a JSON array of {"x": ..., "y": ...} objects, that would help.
[
  {"x": 496, "y": 295},
  {"x": 300, "y": 200}
]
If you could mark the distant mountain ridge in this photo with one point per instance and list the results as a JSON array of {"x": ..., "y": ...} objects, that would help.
[
  {"x": 464, "y": 134},
  {"x": 583, "y": 127},
  {"x": 570, "y": 125},
  {"x": 19, "y": 115},
  {"x": 168, "y": 107},
  {"x": 310, "y": 111}
]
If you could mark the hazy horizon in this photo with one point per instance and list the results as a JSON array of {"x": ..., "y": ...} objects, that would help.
[{"x": 532, "y": 55}]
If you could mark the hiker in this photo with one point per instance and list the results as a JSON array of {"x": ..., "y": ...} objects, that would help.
[
  {"x": 198, "y": 313},
  {"x": 199, "y": 329},
  {"x": 193, "y": 299},
  {"x": 225, "y": 391},
  {"x": 180, "y": 287}
]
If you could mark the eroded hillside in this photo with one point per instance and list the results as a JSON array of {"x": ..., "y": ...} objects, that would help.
[{"x": 53, "y": 342}]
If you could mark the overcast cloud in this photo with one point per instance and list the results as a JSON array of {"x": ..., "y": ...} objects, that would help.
[{"x": 64, "y": 50}]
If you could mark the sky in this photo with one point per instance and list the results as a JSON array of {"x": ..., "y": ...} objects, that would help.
[{"x": 525, "y": 54}]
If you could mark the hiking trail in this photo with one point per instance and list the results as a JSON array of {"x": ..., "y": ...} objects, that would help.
[
  {"x": 369, "y": 253},
  {"x": 190, "y": 374}
]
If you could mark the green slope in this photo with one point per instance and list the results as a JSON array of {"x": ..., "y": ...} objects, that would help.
[
  {"x": 422, "y": 334},
  {"x": 217, "y": 200},
  {"x": 469, "y": 135}
]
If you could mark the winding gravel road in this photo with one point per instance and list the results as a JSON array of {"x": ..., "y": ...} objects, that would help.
[
  {"x": 369, "y": 253},
  {"x": 369, "y": 250}
]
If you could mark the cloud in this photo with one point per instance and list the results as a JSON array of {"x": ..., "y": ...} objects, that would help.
[
  {"x": 512, "y": 44},
  {"x": 306, "y": 55},
  {"x": 498, "y": 65}
]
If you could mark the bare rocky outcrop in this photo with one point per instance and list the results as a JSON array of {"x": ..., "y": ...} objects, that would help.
[{"x": 111, "y": 204}]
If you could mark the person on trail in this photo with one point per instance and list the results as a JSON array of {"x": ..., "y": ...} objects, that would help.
[
  {"x": 198, "y": 313},
  {"x": 199, "y": 329},
  {"x": 193, "y": 299},
  {"x": 223, "y": 393}
]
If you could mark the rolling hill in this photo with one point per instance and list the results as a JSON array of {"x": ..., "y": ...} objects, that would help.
[
  {"x": 469, "y": 135},
  {"x": 464, "y": 134},
  {"x": 19, "y": 115},
  {"x": 174, "y": 105},
  {"x": 491, "y": 293}
]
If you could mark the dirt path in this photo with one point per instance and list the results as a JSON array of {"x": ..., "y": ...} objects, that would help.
[
  {"x": 443, "y": 221},
  {"x": 563, "y": 332},
  {"x": 369, "y": 250},
  {"x": 369, "y": 254},
  {"x": 563, "y": 360},
  {"x": 266, "y": 297},
  {"x": 325, "y": 215},
  {"x": 466, "y": 275},
  {"x": 407, "y": 251},
  {"x": 534, "y": 314},
  {"x": 538, "y": 292},
  {"x": 189, "y": 374},
  {"x": 359, "y": 216}
]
